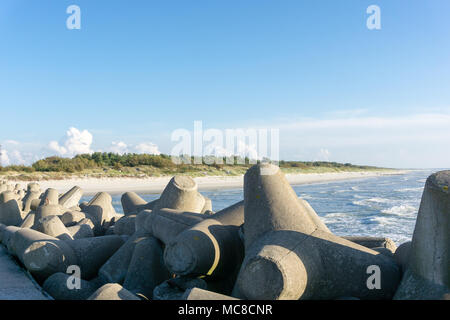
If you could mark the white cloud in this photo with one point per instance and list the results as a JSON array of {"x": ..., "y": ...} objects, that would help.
[
  {"x": 75, "y": 142},
  {"x": 147, "y": 147},
  {"x": 119, "y": 147},
  {"x": 415, "y": 140},
  {"x": 4, "y": 159},
  {"x": 323, "y": 155}
]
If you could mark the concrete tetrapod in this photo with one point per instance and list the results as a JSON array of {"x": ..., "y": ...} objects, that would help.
[
  {"x": 71, "y": 198},
  {"x": 50, "y": 197},
  {"x": 57, "y": 286},
  {"x": 125, "y": 225},
  {"x": 428, "y": 271},
  {"x": 212, "y": 247},
  {"x": 146, "y": 269},
  {"x": 112, "y": 291},
  {"x": 166, "y": 224},
  {"x": 173, "y": 289},
  {"x": 54, "y": 227},
  {"x": 289, "y": 257},
  {"x": 132, "y": 202},
  {"x": 43, "y": 258},
  {"x": 115, "y": 269},
  {"x": 10, "y": 213},
  {"x": 181, "y": 194},
  {"x": 201, "y": 294},
  {"x": 100, "y": 209},
  {"x": 373, "y": 242}
]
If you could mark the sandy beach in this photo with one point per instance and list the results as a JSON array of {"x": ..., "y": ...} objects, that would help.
[{"x": 157, "y": 184}]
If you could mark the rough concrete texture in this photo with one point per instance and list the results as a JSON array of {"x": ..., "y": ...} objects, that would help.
[
  {"x": 208, "y": 248},
  {"x": 57, "y": 286},
  {"x": 125, "y": 225},
  {"x": 48, "y": 210},
  {"x": 15, "y": 284},
  {"x": 80, "y": 231},
  {"x": 28, "y": 198},
  {"x": 132, "y": 202},
  {"x": 401, "y": 255},
  {"x": 71, "y": 218},
  {"x": 112, "y": 291},
  {"x": 288, "y": 256},
  {"x": 428, "y": 271},
  {"x": 10, "y": 213},
  {"x": 92, "y": 253},
  {"x": 28, "y": 222},
  {"x": 146, "y": 269},
  {"x": 115, "y": 269},
  {"x": 50, "y": 197},
  {"x": 201, "y": 294},
  {"x": 71, "y": 198},
  {"x": 181, "y": 194},
  {"x": 270, "y": 203},
  {"x": 54, "y": 227},
  {"x": 101, "y": 211},
  {"x": 166, "y": 224},
  {"x": 174, "y": 289},
  {"x": 207, "y": 208},
  {"x": 373, "y": 242}
]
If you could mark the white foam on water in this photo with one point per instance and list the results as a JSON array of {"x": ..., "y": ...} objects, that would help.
[
  {"x": 370, "y": 201},
  {"x": 408, "y": 189},
  {"x": 400, "y": 210}
]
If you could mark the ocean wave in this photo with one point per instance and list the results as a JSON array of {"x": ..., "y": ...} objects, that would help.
[
  {"x": 409, "y": 189},
  {"x": 370, "y": 201},
  {"x": 400, "y": 210},
  {"x": 384, "y": 220}
]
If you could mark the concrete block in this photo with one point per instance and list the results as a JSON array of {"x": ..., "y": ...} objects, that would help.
[
  {"x": 71, "y": 198},
  {"x": 113, "y": 291},
  {"x": 181, "y": 194},
  {"x": 174, "y": 289},
  {"x": 56, "y": 286},
  {"x": 428, "y": 271},
  {"x": 125, "y": 225},
  {"x": 132, "y": 203},
  {"x": 54, "y": 227},
  {"x": 146, "y": 269},
  {"x": 201, "y": 294}
]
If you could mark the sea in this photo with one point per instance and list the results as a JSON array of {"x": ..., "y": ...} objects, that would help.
[{"x": 383, "y": 206}]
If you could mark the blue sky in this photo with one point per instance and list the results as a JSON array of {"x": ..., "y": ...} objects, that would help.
[{"x": 138, "y": 70}]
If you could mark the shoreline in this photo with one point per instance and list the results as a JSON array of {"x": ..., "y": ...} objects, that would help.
[{"x": 154, "y": 185}]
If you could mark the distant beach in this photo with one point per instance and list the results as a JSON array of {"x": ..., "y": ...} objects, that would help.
[{"x": 157, "y": 184}]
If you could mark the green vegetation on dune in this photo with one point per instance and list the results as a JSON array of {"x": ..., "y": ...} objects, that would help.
[{"x": 98, "y": 165}]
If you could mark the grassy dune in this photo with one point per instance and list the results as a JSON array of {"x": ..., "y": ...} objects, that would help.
[{"x": 101, "y": 165}]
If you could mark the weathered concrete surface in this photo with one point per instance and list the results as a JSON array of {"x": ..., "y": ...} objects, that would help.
[
  {"x": 428, "y": 271},
  {"x": 289, "y": 256},
  {"x": 373, "y": 242},
  {"x": 132, "y": 202},
  {"x": 112, "y": 291},
  {"x": 56, "y": 286},
  {"x": 146, "y": 269},
  {"x": 201, "y": 294},
  {"x": 181, "y": 194},
  {"x": 71, "y": 198},
  {"x": 115, "y": 269},
  {"x": 14, "y": 282},
  {"x": 166, "y": 224},
  {"x": 174, "y": 289}
]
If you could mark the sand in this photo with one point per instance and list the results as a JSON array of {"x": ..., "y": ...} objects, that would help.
[{"x": 157, "y": 184}]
